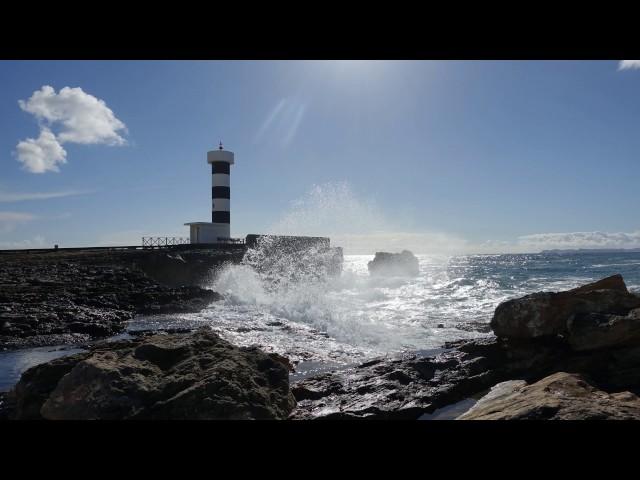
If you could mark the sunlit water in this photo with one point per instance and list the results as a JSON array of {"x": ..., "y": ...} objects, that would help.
[
  {"x": 321, "y": 321},
  {"x": 352, "y": 317}
]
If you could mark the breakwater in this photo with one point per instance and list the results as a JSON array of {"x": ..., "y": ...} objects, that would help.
[{"x": 71, "y": 296}]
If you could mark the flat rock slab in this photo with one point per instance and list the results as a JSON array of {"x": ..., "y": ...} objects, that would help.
[
  {"x": 561, "y": 396},
  {"x": 166, "y": 376}
]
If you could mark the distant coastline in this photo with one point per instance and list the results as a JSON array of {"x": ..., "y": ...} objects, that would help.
[{"x": 590, "y": 250}]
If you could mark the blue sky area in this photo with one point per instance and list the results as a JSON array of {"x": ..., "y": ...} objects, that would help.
[{"x": 435, "y": 156}]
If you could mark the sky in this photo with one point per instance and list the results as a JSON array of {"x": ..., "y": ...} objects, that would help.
[{"x": 453, "y": 157}]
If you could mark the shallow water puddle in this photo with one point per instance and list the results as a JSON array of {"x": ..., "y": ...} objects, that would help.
[
  {"x": 450, "y": 412},
  {"x": 13, "y": 364}
]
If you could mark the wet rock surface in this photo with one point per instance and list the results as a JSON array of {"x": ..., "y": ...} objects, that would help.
[
  {"x": 549, "y": 313},
  {"x": 596, "y": 330},
  {"x": 406, "y": 388},
  {"x": 164, "y": 376},
  {"x": 56, "y": 298},
  {"x": 404, "y": 263},
  {"x": 561, "y": 396}
]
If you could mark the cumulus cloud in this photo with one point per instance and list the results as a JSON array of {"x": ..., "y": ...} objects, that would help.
[
  {"x": 85, "y": 118},
  {"x": 628, "y": 64},
  {"x": 10, "y": 220},
  {"x": 79, "y": 116},
  {"x": 571, "y": 240},
  {"x": 42, "y": 154}
]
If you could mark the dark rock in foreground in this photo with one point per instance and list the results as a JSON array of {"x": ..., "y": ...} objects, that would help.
[
  {"x": 597, "y": 330},
  {"x": 55, "y": 298},
  {"x": 394, "y": 264},
  {"x": 178, "y": 376},
  {"x": 561, "y": 396},
  {"x": 550, "y": 313}
]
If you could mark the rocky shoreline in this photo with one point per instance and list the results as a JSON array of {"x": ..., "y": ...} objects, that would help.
[
  {"x": 537, "y": 336},
  {"x": 70, "y": 298},
  {"x": 564, "y": 355}
]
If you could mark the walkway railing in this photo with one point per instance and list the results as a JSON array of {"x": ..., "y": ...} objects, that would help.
[{"x": 159, "y": 242}]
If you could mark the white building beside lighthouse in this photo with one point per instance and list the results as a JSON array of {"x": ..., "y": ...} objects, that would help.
[{"x": 219, "y": 229}]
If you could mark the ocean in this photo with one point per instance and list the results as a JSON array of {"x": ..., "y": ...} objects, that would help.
[{"x": 322, "y": 321}]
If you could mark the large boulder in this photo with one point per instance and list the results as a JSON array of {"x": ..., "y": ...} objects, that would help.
[
  {"x": 561, "y": 396},
  {"x": 400, "y": 264},
  {"x": 599, "y": 330},
  {"x": 549, "y": 313},
  {"x": 164, "y": 376}
]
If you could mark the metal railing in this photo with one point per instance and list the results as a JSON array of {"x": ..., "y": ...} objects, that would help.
[{"x": 159, "y": 242}]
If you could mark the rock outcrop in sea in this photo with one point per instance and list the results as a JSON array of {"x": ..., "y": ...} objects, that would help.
[
  {"x": 179, "y": 376},
  {"x": 404, "y": 263}
]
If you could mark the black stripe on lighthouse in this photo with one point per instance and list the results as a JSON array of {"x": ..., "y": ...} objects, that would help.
[
  {"x": 220, "y": 167},
  {"x": 221, "y": 217},
  {"x": 220, "y": 192}
]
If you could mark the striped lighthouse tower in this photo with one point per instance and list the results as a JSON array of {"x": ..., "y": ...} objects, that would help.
[{"x": 221, "y": 161}]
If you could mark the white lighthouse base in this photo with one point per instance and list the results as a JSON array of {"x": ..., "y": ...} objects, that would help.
[{"x": 204, "y": 232}]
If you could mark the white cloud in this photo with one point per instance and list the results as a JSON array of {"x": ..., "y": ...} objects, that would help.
[
  {"x": 10, "y": 220},
  {"x": 572, "y": 240},
  {"x": 42, "y": 154},
  {"x": 628, "y": 64},
  {"x": 85, "y": 118},
  {"x": 6, "y": 197},
  {"x": 81, "y": 117}
]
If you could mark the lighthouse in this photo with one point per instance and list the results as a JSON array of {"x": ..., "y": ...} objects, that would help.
[{"x": 219, "y": 229}]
